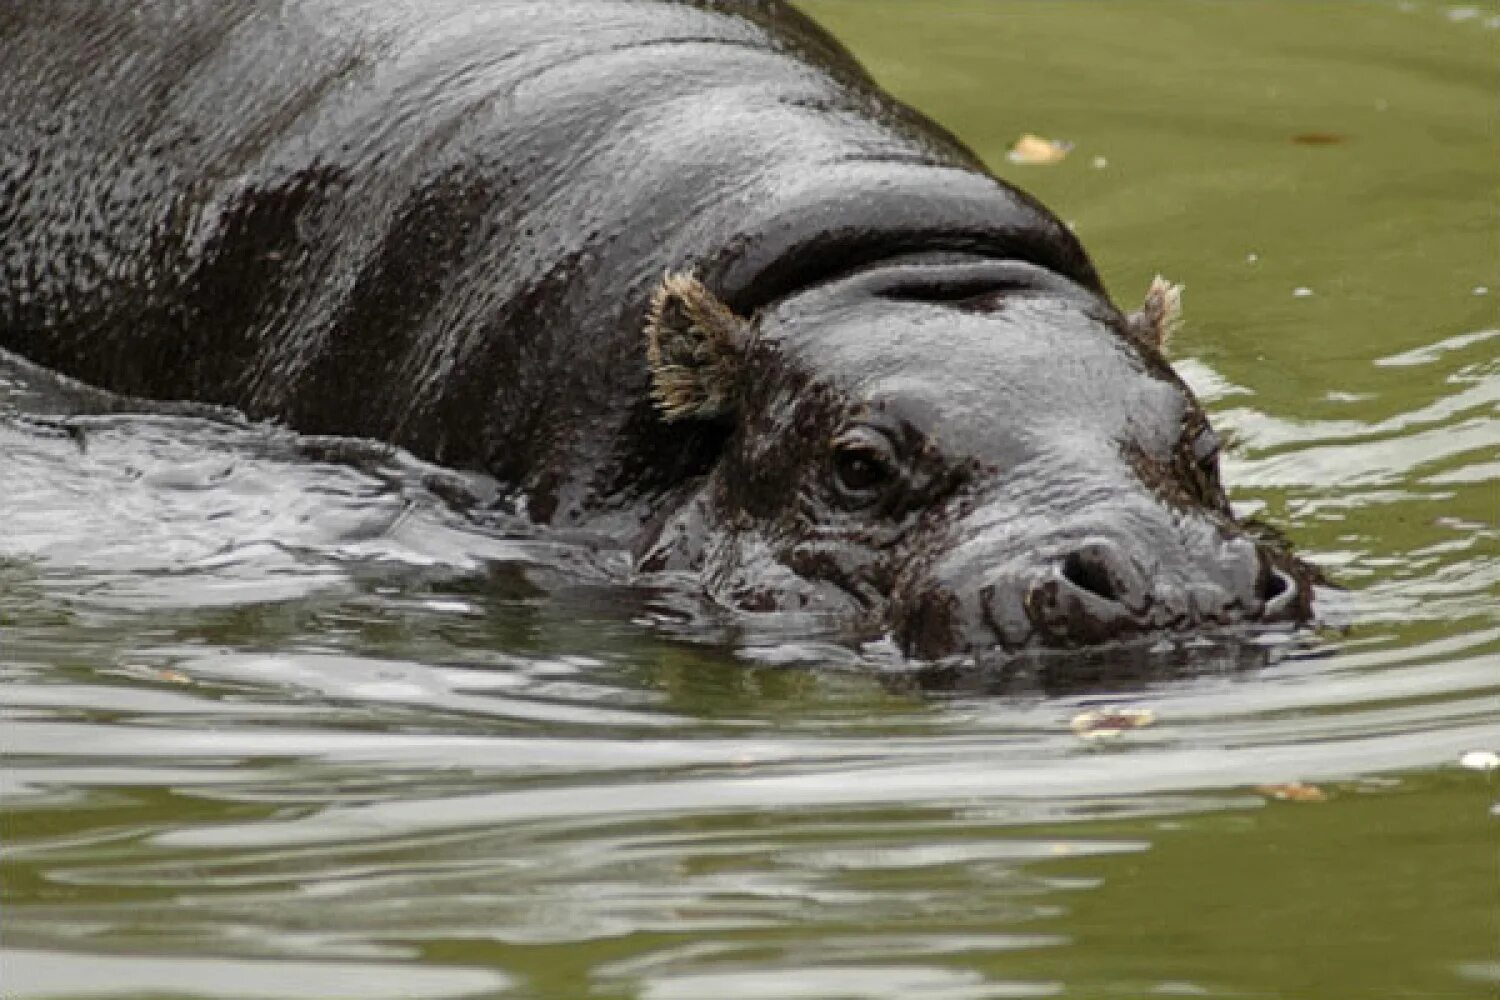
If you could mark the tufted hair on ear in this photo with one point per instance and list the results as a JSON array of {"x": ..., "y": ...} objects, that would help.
[
  {"x": 1160, "y": 315},
  {"x": 695, "y": 348}
]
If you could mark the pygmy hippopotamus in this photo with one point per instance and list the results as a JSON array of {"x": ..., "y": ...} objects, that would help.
[{"x": 676, "y": 271}]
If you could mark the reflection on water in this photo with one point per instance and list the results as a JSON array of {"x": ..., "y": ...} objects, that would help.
[{"x": 278, "y": 723}]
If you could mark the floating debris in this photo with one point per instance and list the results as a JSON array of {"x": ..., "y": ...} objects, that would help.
[
  {"x": 1034, "y": 150},
  {"x": 1479, "y": 760},
  {"x": 146, "y": 672},
  {"x": 1110, "y": 723},
  {"x": 1293, "y": 791}
]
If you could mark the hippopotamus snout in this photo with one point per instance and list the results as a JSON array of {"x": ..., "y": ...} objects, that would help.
[
  {"x": 1100, "y": 591},
  {"x": 1088, "y": 588}
]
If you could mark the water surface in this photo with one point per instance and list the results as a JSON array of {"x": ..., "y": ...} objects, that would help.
[{"x": 280, "y": 724}]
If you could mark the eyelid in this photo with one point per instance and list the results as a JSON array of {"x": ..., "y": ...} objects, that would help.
[{"x": 867, "y": 438}]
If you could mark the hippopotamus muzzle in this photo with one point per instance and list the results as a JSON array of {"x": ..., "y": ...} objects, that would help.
[
  {"x": 964, "y": 454},
  {"x": 1087, "y": 584}
]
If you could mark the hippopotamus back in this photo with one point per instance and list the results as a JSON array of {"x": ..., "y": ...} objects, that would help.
[{"x": 438, "y": 223}]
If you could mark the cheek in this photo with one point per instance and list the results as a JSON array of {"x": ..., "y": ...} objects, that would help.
[
  {"x": 779, "y": 455},
  {"x": 771, "y": 473},
  {"x": 759, "y": 581},
  {"x": 681, "y": 541},
  {"x": 848, "y": 564},
  {"x": 744, "y": 568}
]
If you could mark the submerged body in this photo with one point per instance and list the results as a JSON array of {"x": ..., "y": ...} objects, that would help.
[{"x": 892, "y": 386}]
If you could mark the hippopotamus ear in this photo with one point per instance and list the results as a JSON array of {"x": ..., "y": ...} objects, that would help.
[
  {"x": 1160, "y": 315},
  {"x": 695, "y": 346}
]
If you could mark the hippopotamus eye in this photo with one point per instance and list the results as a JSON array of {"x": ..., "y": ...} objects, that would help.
[{"x": 864, "y": 464}]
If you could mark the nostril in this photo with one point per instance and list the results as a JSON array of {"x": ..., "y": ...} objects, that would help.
[
  {"x": 1278, "y": 591},
  {"x": 1273, "y": 586},
  {"x": 1088, "y": 569}
]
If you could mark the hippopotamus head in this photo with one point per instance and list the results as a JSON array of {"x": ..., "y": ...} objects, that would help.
[{"x": 966, "y": 453}]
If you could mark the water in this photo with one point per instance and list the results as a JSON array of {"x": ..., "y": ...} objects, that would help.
[{"x": 278, "y": 724}]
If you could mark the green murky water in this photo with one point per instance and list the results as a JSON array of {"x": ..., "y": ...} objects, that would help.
[{"x": 277, "y": 728}]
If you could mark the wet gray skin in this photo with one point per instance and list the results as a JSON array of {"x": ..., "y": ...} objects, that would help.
[
  {"x": 974, "y": 454},
  {"x": 885, "y": 384}
]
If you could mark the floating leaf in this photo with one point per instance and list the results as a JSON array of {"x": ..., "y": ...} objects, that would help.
[
  {"x": 1034, "y": 150},
  {"x": 149, "y": 673},
  {"x": 1293, "y": 791},
  {"x": 1109, "y": 723}
]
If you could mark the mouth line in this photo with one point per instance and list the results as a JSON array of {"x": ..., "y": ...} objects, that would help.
[{"x": 1151, "y": 641}]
